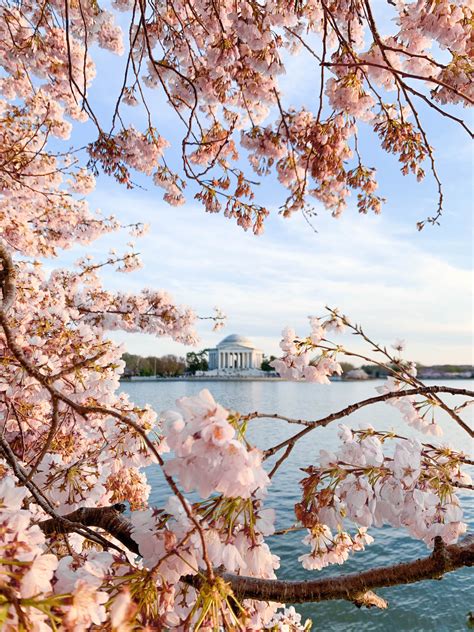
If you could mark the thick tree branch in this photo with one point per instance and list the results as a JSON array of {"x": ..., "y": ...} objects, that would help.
[
  {"x": 7, "y": 279},
  {"x": 109, "y": 519},
  {"x": 444, "y": 559}
]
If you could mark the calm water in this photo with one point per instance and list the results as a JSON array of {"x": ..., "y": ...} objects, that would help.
[{"x": 440, "y": 606}]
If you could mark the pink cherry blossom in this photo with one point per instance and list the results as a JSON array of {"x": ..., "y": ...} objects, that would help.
[{"x": 70, "y": 440}]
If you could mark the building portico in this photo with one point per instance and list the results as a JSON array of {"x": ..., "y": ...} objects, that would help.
[{"x": 235, "y": 353}]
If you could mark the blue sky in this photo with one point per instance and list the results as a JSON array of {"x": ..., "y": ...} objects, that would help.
[{"x": 381, "y": 271}]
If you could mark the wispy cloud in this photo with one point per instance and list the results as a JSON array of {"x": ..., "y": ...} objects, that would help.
[{"x": 366, "y": 266}]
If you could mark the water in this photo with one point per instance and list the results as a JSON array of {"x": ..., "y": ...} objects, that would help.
[{"x": 433, "y": 605}]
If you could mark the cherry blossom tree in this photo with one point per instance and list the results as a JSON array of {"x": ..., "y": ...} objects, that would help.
[{"x": 73, "y": 448}]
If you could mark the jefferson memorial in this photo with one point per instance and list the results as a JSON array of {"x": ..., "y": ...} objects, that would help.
[{"x": 235, "y": 354}]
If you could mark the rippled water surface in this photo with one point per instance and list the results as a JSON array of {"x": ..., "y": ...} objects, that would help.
[{"x": 440, "y": 606}]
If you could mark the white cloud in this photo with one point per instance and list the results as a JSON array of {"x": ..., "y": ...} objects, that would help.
[{"x": 364, "y": 265}]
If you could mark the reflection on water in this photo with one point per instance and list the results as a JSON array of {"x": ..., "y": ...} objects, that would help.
[{"x": 440, "y": 606}]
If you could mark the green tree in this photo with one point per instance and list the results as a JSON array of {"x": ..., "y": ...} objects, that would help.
[
  {"x": 346, "y": 367},
  {"x": 265, "y": 366},
  {"x": 132, "y": 364},
  {"x": 197, "y": 361},
  {"x": 374, "y": 370}
]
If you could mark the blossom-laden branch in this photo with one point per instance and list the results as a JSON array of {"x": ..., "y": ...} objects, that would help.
[
  {"x": 218, "y": 68},
  {"x": 299, "y": 362},
  {"x": 352, "y": 408},
  {"x": 355, "y": 587}
]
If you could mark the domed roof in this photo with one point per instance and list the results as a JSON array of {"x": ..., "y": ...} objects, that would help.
[{"x": 236, "y": 340}]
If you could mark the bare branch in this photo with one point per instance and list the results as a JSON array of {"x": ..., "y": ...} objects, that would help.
[{"x": 310, "y": 425}]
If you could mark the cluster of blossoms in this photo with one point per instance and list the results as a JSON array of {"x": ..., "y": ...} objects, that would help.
[
  {"x": 83, "y": 182},
  {"x": 327, "y": 548},
  {"x": 348, "y": 94},
  {"x": 48, "y": 590},
  {"x": 298, "y": 361},
  {"x": 412, "y": 487},
  {"x": 458, "y": 74},
  {"x": 128, "y": 149},
  {"x": 171, "y": 548},
  {"x": 400, "y": 137},
  {"x": 128, "y": 484},
  {"x": 444, "y": 21},
  {"x": 23, "y": 553},
  {"x": 314, "y": 359},
  {"x": 207, "y": 455},
  {"x": 416, "y": 414},
  {"x": 173, "y": 186},
  {"x": 307, "y": 147},
  {"x": 214, "y": 146},
  {"x": 289, "y": 619}
]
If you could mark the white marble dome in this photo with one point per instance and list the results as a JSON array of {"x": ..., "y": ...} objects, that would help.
[{"x": 236, "y": 339}]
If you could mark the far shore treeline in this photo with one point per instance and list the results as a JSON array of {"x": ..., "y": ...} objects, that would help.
[{"x": 174, "y": 366}]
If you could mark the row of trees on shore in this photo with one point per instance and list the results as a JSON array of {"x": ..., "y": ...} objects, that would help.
[
  {"x": 165, "y": 366},
  {"x": 173, "y": 366}
]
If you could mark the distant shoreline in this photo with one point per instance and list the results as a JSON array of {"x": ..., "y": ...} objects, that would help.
[
  {"x": 200, "y": 378},
  {"x": 261, "y": 379}
]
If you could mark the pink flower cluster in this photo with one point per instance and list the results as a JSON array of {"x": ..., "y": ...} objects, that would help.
[
  {"x": 169, "y": 182},
  {"x": 327, "y": 548},
  {"x": 288, "y": 620},
  {"x": 410, "y": 409},
  {"x": 444, "y": 21},
  {"x": 349, "y": 95},
  {"x": 298, "y": 363},
  {"x": 83, "y": 576},
  {"x": 23, "y": 545},
  {"x": 301, "y": 147},
  {"x": 41, "y": 582},
  {"x": 83, "y": 182},
  {"x": 109, "y": 34},
  {"x": 208, "y": 457},
  {"x": 172, "y": 548},
  {"x": 412, "y": 487},
  {"x": 141, "y": 151}
]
